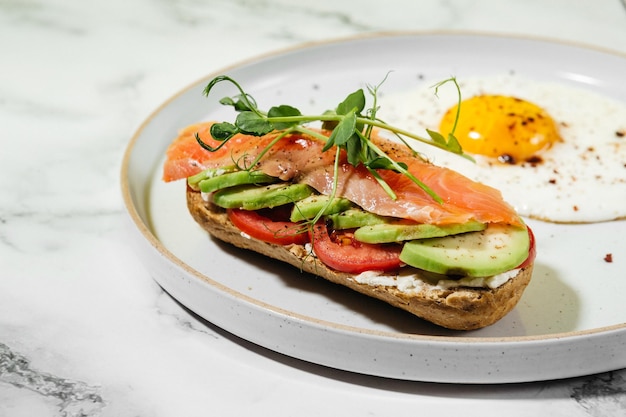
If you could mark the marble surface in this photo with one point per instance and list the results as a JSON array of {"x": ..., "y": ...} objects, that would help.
[{"x": 84, "y": 330}]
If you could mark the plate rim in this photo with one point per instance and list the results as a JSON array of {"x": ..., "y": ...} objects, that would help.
[{"x": 146, "y": 233}]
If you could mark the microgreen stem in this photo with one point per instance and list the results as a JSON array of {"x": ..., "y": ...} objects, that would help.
[
  {"x": 382, "y": 183},
  {"x": 402, "y": 132},
  {"x": 333, "y": 192},
  {"x": 269, "y": 146},
  {"x": 404, "y": 171},
  {"x": 365, "y": 121},
  {"x": 459, "y": 99}
]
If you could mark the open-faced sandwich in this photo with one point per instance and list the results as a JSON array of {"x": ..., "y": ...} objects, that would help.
[{"x": 344, "y": 203}]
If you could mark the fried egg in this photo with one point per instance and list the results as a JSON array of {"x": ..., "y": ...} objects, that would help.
[{"x": 556, "y": 152}]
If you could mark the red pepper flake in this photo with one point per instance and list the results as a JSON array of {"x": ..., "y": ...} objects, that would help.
[
  {"x": 608, "y": 258},
  {"x": 575, "y": 208}
]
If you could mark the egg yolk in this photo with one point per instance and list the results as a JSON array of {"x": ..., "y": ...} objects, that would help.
[{"x": 507, "y": 128}]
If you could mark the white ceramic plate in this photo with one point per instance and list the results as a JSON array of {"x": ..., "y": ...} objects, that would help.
[{"x": 571, "y": 320}]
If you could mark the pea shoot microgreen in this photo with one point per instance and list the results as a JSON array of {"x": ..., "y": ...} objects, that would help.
[{"x": 350, "y": 123}]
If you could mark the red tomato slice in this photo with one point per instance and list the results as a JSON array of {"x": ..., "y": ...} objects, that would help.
[
  {"x": 268, "y": 226},
  {"x": 532, "y": 252},
  {"x": 342, "y": 252}
]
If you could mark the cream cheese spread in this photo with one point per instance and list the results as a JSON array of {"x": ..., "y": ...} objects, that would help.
[{"x": 409, "y": 281}]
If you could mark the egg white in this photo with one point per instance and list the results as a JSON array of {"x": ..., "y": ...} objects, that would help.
[{"x": 581, "y": 180}]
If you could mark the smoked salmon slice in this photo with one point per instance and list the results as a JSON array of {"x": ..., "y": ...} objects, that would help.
[
  {"x": 299, "y": 158},
  {"x": 185, "y": 157}
]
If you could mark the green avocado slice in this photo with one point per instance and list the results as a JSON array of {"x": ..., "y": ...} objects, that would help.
[
  {"x": 353, "y": 218},
  {"x": 387, "y": 232},
  {"x": 231, "y": 179},
  {"x": 254, "y": 197},
  {"x": 497, "y": 249},
  {"x": 311, "y": 206}
]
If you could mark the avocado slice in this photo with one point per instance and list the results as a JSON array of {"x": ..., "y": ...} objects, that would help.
[
  {"x": 194, "y": 180},
  {"x": 231, "y": 179},
  {"x": 254, "y": 197},
  {"x": 311, "y": 206},
  {"x": 389, "y": 232},
  {"x": 497, "y": 249},
  {"x": 354, "y": 217}
]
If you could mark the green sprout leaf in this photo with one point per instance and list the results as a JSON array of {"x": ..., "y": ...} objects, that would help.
[
  {"x": 354, "y": 151},
  {"x": 284, "y": 111},
  {"x": 253, "y": 124},
  {"x": 223, "y": 131},
  {"x": 239, "y": 103},
  {"x": 436, "y": 137},
  {"x": 385, "y": 163},
  {"x": 453, "y": 144},
  {"x": 343, "y": 132},
  {"x": 354, "y": 102}
]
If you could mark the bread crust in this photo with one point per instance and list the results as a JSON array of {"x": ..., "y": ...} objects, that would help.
[{"x": 458, "y": 308}]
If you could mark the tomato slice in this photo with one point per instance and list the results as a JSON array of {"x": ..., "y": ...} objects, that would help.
[
  {"x": 268, "y": 226},
  {"x": 341, "y": 251},
  {"x": 532, "y": 251}
]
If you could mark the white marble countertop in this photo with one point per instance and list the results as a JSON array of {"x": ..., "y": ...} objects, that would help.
[{"x": 84, "y": 330}]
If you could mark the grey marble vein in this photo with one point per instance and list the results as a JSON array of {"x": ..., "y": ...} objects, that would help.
[
  {"x": 602, "y": 395},
  {"x": 74, "y": 398}
]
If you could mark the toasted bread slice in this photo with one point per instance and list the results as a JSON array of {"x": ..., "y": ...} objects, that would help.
[{"x": 458, "y": 308}]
